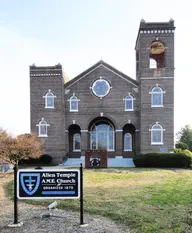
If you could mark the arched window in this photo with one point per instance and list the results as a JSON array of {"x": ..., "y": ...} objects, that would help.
[
  {"x": 74, "y": 104},
  {"x": 157, "y": 134},
  {"x": 42, "y": 128},
  {"x": 129, "y": 106},
  {"x": 157, "y": 97},
  {"x": 49, "y": 99},
  {"x": 127, "y": 142},
  {"x": 102, "y": 136},
  {"x": 76, "y": 142}
]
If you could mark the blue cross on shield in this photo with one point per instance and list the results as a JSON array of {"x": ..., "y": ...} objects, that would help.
[{"x": 30, "y": 182}]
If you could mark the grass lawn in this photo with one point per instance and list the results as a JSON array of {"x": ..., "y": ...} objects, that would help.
[{"x": 146, "y": 200}]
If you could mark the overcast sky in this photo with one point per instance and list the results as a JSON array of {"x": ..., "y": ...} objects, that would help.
[{"x": 77, "y": 34}]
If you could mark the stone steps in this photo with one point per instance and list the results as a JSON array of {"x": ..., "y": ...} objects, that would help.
[{"x": 112, "y": 162}]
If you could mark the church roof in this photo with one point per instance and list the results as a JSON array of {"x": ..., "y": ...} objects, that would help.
[{"x": 106, "y": 65}]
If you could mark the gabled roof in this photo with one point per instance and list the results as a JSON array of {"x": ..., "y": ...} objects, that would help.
[{"x": 107, "y": 66}]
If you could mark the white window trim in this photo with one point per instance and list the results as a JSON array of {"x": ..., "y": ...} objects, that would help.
[
  {"x": 157, "y": 93},
  {"x": 129, "y": 109},
  {"x": 91, "y": 141},
  {"x": 157, "y": 106},
  {"x": 163, "y": 92},
  {"x": 38, "y": 125},
  {"x": 110, "y": 150},
  {"x": 42, "y": 135},
  {"x": 162, "y": 136},
  {"x": 113, "y": 142},
  {"x": 50, "y": 107},
  {"x": 130, "y": 143},
  {"x": 77, "y": 100},
  {"x": 157, "y": 143},
  {"x": 76, "y": 150},
  {"x": 73, "y": 110},
  {"x": 93, "y": 86},
  {"x": 53, "y": 96}
]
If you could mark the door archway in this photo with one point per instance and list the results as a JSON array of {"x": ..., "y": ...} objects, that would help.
[
  {"x": 74, "y": 138},
  {"x": 102, "y": 135},
  {"x": 128, "y": 138}
]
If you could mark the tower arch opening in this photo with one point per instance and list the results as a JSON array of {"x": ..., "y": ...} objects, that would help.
[{"x": 157, "y": 54}]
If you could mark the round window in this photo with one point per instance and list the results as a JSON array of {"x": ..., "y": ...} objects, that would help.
[{"x": 100, "y": 88}]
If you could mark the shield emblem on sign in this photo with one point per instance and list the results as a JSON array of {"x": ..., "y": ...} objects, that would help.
[{"x": 30, "y": 182}]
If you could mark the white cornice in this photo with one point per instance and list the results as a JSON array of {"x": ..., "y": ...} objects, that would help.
[
  {"x": 84, "y": 131},
  {"x": 157, "y": 78},
  {"x": 118, "y": 130},
  {"x": 49, "y": 74},
  {"x": 155, "y": 31}
]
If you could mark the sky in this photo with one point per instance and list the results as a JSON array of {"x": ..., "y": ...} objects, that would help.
[{"x": 77, "y": 34}]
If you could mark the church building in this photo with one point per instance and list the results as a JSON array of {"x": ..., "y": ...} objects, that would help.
[{"x": 103, "y": 109}]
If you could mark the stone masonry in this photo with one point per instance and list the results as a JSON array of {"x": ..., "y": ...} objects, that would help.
[{"x": 111, "y": 108}]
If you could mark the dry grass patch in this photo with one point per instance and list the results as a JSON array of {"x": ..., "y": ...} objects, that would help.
[{"x": 146, "y": 200}]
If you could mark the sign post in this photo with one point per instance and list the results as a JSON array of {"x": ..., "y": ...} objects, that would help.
[
  {"x": 50, "y": 184},
  {"x": 15, "y": 195},
  {"x": 81, "y": 195}
]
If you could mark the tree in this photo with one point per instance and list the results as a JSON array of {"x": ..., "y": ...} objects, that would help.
[
  {"x": 185, "y": 136},
  {"x": 12, "y": 150},
  {"x": 182, "y": 146},
  {"x": 24, "y": 146}
]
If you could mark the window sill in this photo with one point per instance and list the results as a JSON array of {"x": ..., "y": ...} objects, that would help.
[
  {"x": 49, "y": 107},
  {"x": 42, "y": 136},
  {"x": 158, "y": 143},
  {"x": 128, "y": 151},
  {"x": 76, "y": 150},
  {"x": 157, "y": 106},
  {"x": 129, "y": 110},
  {"x": 107, "y": 150},
  {"x": 73, "y": 110}
]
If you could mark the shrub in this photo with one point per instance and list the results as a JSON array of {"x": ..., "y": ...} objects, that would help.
[
  {"x": 187, "y": 152},
  {"x": 177, "y": 150},
  {"x": 44, "y": 159},
  {"x": 178, "y": 160},
  {"x": 180, "y": 151}
]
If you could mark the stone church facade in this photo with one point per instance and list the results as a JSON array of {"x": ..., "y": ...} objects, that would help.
[{"x": 103, "y": 108}]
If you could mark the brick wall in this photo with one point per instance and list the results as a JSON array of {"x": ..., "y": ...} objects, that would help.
[
  {"x": 111, "y": 107},
  {"x": 42, "y": 79}
]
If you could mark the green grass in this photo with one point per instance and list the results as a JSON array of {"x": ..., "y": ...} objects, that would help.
[{"x": 146, "y": 200}]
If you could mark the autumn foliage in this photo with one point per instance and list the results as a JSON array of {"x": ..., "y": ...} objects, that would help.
[{"x": 24, "y": 146}]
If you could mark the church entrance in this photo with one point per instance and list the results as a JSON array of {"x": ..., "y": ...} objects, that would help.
[{"x": 102, "y": 135}]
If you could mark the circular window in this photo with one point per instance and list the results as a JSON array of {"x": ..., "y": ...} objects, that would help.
[{"x": 100, "y": 88}]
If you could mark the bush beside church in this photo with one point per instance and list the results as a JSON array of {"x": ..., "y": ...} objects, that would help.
[{"x": 182, "y": 159}]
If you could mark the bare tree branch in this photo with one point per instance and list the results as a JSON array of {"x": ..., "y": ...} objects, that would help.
[{"x": 24, "y": 146}]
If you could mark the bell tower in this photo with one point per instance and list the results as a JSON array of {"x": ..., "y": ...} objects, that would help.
[{"x": 155, "y": 76}]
